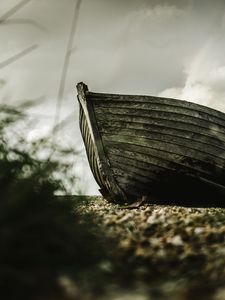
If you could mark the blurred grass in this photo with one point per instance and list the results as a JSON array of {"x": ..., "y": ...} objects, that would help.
[{"x": 47, "y": 248}]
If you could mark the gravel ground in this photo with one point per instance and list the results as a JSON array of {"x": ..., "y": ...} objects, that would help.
[{"x": 161, "y": 252}]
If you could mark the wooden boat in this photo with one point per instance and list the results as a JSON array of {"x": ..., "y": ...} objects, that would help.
[{"x": 152, "y": 146}]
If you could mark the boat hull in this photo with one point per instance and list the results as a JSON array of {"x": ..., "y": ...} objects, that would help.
[{"x": 145, "y": 145}]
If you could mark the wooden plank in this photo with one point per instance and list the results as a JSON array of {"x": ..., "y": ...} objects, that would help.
[
  {"x": 129, "y": 170},
  {"x": 135, "y": 185},
  {"x": 92, "y": 159},
  {"x": 171, "y": 126},
  {"x": 159, "y": 164},
  {"x": 214, "y": 130},
  {"x": 168, "y": 158},
  {"x": 105, "y": 128},
  {"x": 114, "y": 191},
  {"x": 129, "y": 105},
  {"x": 103, "y": 112},
  {"x": 153, "y": 99},
  {"x": 147, "y": 162},
  {"x": 202, "y": 147},
  {"x": 185, "y": 153}
]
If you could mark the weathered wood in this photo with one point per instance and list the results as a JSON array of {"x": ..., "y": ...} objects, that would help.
[
  {"x": 148, "y": 144},
  {"x": 158, "y": 100},
  {"x": 185, "y": 153},
  {"x": 158, "y": 164},
  {"x": 148, "y": 106},
  {"x": 134, "y": 115},
  {"x": 208, "y": 141},
  {"x": 150, "y": 162},
  {"x": 173, "y": 128},
  {"x": 185, "y": 140},
  {"x": 125, "y": 168},
  {"x": 93, "y": 141},
  {"x": 134, "y": 184}
]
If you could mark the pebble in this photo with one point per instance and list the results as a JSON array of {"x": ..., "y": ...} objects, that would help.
[
  {"x": 192, "y": 239},
  {"x": 176, "y": 241}
]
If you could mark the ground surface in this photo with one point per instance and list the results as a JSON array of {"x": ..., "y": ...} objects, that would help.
[{"x": 161, "y": 252}]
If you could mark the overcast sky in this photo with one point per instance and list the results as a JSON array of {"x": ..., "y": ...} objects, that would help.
[{"x": 169, "y": 48}]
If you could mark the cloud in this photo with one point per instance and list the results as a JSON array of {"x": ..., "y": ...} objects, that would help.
[
  {"x": 205, "y": 76},
  {"x": 142, "y": 43},
  {"x": 160, "y": 13},
  {"x": 168, "y": 47}
]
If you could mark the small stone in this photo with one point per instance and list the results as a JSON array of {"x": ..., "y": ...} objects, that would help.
[
  {"x": 176, "y": 241},
  {"x": 153, "y": 219},
  {"x": 155, "y": 242},
  {"x": 199, "y": 230},
  {"x": 126, "y": 243},
  {"x": 140, "y": 251},
  {"x": 124, "y": 219}
]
